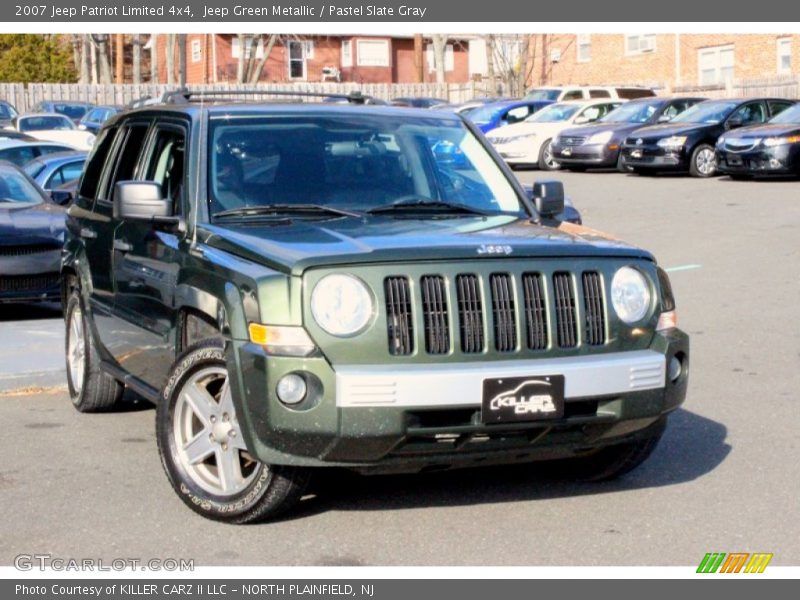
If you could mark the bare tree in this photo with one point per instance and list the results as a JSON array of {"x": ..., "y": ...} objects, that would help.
[
  {"x": 137, "y": 59},
  {"x": 154, "y": 58},
  {"x": 240, "y": 65},
  {"x": 256, "y": 66},
  {"x": 439, "y": 42},
  {"x": 103, "y": 64},
  {"x": 490, "y": 74},
  {"x": 170, "y": 58},
  {"x": 513, "y": 61}
]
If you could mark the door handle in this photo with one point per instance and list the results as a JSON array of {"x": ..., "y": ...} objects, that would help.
[
  {"x": 122, "y": 246},
  {"x": 88, "y": 234}
]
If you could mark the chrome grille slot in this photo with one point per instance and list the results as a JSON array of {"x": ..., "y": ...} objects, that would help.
[
  {"x": 505, "y": 320},
  {"x": 398, "y": 316},
  {"x": 435, "y": 317},
  {"x": 566, "y": 325},
  {"x": 594, "y": 309},
  {"x": 470, "y": 313},
  {"x": 535, "y": 311}
]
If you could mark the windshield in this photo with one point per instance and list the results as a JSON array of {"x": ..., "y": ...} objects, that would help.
[
  {"x": 73, "y": 111},
  {"x": 16, "y": 189},
  {"x": 351, "y": 162},
  {"x": 482, "y": 114},
  {"x": 635, "y": 112},
  {"x": 33, "y": 168},
  {"x": 790, "y": 116},
  {"x": 6, "y": 112},
  {"x": 710, "y": 113},
  {"x": 45, "y": 122},
  {"x": 543, "y": 94},
  {"x": 554, "y": 113}
]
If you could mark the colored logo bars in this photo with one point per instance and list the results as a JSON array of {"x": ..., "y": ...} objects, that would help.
[{"x": 736, "y": 562}]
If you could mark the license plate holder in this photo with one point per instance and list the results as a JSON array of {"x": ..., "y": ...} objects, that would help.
[
  {"x": 734, "y": 161},
  {"x": 636, "y": 154},
  {"x": 520, "y": 399}
]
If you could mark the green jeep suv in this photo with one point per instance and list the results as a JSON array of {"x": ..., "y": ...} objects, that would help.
[{"x": 303, "y": 285}]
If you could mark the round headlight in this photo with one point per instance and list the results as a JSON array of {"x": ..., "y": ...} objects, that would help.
[
  {"x": 630, "y": 295},
  {"x": 341, "y": 304}
]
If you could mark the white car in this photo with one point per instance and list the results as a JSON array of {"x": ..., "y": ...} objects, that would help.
[
  {"x": 529, "y": 142},
  {"x": 53, "y": 127},
  {"x": 562, "y": 93}
]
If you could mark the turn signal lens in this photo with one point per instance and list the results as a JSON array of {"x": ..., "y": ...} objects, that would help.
[
  {"x": 281, "y": 340},
  {"x": 667, "y": 320}
]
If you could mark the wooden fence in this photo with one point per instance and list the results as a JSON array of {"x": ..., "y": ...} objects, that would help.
[
  {"x": 785, "y": 87},
  {"x": 24, "y": 97}
]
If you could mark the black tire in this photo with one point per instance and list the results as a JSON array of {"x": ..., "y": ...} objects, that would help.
[
  {"x": 575, "y": 169},
  {"x": 271, "y": 489},
  {"x": 740, "y": 177},
  {"x": 90, "y": 389},
  {"x": 622, "y": 167},
  {"x": 547, "y": 147},
  {"x": 614, "y": 461},
  {"x": 696, "y": 169}
]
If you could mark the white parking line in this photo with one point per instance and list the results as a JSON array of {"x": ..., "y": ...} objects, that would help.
[{"x": 682, "y": 268}]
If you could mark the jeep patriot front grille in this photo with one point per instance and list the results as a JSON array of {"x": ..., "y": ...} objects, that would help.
[{"x": 501, "y": 311}]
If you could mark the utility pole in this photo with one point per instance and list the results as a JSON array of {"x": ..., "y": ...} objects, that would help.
[
  {"x": 419, "y": 60},
  {"x": 120, "y": 56}
]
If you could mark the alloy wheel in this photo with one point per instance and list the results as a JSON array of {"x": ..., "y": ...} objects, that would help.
[
  {"x": 706, "y": 162},
  {"x": 207, "y": 435},
  {"x": 76, "y": 350}
]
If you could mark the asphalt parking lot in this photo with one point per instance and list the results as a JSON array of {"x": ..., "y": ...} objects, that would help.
[{"x": 725, "y": 478}]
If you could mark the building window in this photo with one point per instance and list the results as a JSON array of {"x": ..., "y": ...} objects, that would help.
[
  {"x": 584, "y": 47},
  {"x": 784, "y": 56},
  {"x": 372, "y": 53},
  {"x": 197, "y": 53},
  {"x": 715, "y": 65},
  {"x": 347, "y": 53},
  {"x": 298, "y": 55},
  {"x": 235, "y": 50},
  {"x": 449, "y": 57},
  {"x": 641, "y": 43}
]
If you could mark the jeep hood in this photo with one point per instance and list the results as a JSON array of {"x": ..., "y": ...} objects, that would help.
[{"x": 294, "y": 246}]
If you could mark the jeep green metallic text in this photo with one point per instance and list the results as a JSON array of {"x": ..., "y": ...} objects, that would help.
[{"x": 302, "y": 285}]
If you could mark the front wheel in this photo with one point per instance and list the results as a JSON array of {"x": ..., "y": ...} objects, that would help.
[
  {"x": 202, "y": 450},
  {"x": 547, "y": 161},
  {"x": 703, "y": 162}
]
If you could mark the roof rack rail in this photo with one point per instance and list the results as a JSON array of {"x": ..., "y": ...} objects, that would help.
[{"x": 185, "y": 95}]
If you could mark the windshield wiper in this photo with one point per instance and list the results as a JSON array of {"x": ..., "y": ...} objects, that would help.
[
  {"x": 418, "y": 203},
  {"x": 283, "y": 209}
]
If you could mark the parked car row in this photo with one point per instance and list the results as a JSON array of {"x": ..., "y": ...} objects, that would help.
[{"x": 743, "y": 137}]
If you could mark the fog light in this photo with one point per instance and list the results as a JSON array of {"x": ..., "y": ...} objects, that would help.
[
  {"x": 675, "y": 369},
  {"x": 291, "y": 389},
  {"x": 774, "y": 163}
]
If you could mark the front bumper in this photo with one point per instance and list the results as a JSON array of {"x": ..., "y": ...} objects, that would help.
[
  {"x": 655, "y": 158},
  {"x": 519, "y": 153},
  {"x": 388, "y": 419},
  {"x": 589, "y": 155},
  {"x": 30, "y": 277},
  {"x": 777, "y": 160}
]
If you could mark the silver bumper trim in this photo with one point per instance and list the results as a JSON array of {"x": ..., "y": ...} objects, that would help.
[{"x": 462, "y": 383}]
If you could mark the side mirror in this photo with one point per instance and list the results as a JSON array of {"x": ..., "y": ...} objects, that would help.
[
  {"x": 62, "y": 197},
  {"x": 140, "y": 201},
  {"x": 735, "y": 122},
  {"x": 581, "y": 120},
  {"x": 548, "y": 196},
  {"x": 664, "y": 119}
]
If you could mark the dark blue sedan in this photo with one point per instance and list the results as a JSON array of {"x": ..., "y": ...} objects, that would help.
[
  {"x": 94, "y": 119},
  {"x": 497, "y": 114}
]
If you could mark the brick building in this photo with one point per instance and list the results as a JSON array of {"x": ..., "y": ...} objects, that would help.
[
  {"x": 213, "y": 58},
  {"x": 663, "y": 60}
]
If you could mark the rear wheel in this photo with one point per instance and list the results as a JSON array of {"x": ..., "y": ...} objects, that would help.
[
  {"x": 547, "y": 161},
  {"x": 703, "y": 162},
  {"x": 202, "y": 450},
  {"x": 90, "y": 389}
]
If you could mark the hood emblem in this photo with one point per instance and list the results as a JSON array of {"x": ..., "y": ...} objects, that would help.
[
  {"x": 639, "y": 142},
  {"x": 494, "y": 249}
]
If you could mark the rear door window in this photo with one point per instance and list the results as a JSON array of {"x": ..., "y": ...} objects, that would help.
[
  {"x": 96, "y": 162},
  {"x": 778, "y": 106},
  {"x": 599, "y": 93},
  {"x": 573, "y": 95}
]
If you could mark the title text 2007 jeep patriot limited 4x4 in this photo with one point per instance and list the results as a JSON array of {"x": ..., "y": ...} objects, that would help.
[{"x": 300, "y": 285}]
